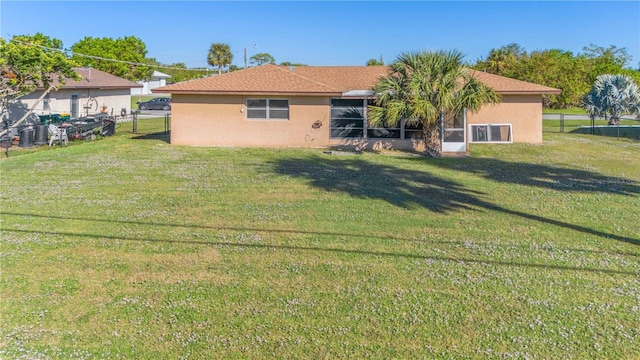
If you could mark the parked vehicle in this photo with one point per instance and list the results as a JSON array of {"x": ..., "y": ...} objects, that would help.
[{"x": 160, "y": 103}]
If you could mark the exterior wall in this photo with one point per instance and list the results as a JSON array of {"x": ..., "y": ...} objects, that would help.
[
  {"x": 523, "y": 112},
  {"x": 219, "y": 120},
  {"x": 378, "y": 144},
  {"x": 60, "y": 101}
]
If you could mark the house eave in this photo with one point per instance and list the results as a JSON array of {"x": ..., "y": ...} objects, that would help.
[{"x": 533, "y": 92}]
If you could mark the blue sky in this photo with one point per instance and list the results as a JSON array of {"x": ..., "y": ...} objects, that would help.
[{"x": 331, "y": 32}]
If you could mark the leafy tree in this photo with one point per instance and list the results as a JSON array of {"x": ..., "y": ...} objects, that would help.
[
  {"x": 502, "y": 61},
  {"x": 572, "y": 73},
  {"x": 289, "y": 63},
  {"x": 27, "y": 62},
  {"x": 375, "y": 62},
  {"x": 262, "y": 58},
  {"x": 559, "y": 69},
  {"x": 422, "y": 87},
  {"x": 178, "y": 71},
  {"x": 612, "y": 96},
  {"x": 219, "y": 55},
  {"x": 614, "y": 54},
  {"x": 120, "y": 57}
]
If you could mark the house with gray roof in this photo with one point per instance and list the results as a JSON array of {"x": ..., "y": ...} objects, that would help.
[{"x": 96, "y": 91}]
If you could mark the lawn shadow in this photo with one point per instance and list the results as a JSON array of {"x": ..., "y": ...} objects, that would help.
[
  {"x": 357, "y": 235},
  {"x": 542, "y": 176},
  {"x": 325, "y": 249},
  {"x": 161, "y": 135},
  {"x": 413, "y": 189}
]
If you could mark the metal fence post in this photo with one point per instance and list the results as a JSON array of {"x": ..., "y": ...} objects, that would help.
[
  {"x": 135, "y": 121},
  {"x": 562, "y": 123}
]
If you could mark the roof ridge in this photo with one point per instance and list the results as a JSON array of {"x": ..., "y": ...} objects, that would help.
[{"x": 281, "y": 68}]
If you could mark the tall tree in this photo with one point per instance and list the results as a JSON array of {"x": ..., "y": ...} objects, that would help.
[
  {"x": 27, "y": 62},
  {"x": 618, "y": 56},
  {"x": 375, "y": 62},
  {"x": 219, "y": 55},
  {"x": 289, "y": 63},
  {"x": 503, "y": 60},
  {"x": 612, "y": 96},
  {"x": 423, "y": 86},
  {"x": 123, "y": 57},
  {"x": 262, "y": 58}
]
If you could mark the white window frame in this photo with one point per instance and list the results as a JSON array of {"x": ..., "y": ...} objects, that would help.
[
  {"x": 470, "y": 136},
  {"x": 267, "y": 109}
]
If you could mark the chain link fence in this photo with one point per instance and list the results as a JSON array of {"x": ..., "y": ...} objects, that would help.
[{"x": 580, "y": 124}]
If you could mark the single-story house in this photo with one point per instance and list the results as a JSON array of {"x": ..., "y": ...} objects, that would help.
[
  {"x": 96, "y": 91},
  {"x": 158, "y": 79},
  {"x": 326, "y": 106}
]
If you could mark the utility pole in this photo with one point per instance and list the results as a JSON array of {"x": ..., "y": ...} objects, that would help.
[{"x": 245, "y": 54}]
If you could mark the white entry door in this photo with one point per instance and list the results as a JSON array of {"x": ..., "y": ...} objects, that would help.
[{"x": 453, "y": 133}]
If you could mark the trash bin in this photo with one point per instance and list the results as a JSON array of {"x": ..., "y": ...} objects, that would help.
[
  {"x": 41, "y": 134},
  {"x": 108, "y": 128},
  {"x": 26, "y": 138}
]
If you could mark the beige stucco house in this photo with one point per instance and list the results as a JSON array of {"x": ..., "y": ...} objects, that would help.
[
  {"x": 324, "y": 106},
  {"x": 96, "y": 91}
]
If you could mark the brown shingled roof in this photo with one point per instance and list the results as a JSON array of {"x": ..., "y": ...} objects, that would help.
[
  {"x": 505, "y": 85},
  {"x": 265, "y": 79},
  {"x": 96, "y": 79},
  {"x": 321, "y": 80}
]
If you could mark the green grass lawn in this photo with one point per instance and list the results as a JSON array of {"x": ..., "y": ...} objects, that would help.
[
  {"x": 571, "y": 111},
  {"x": 128, "y": 247},
  {"x": 573, "y": 125}
]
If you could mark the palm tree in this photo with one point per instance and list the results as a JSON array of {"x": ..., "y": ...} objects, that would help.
[
  {"x": 611, "y": 96},
  {"x": 375, "y": 62},
  {"x": 421, "y": 87},
  {"x": 219, "y": 55}
]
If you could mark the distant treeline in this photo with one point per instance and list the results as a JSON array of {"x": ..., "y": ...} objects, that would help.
[{"x": 574, "y": 74}]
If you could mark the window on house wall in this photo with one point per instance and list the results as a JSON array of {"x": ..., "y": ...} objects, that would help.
[
  {"x": 491, "y": 133},
  {"x": 413, "y": 131},
  {"x": 385, "y": 131},
  {"x": 347, "y": 118},
  {"x": 46, "y": 102},
  {"x": 269, "y": 109}
]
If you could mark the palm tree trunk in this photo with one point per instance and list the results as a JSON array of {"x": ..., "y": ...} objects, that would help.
[{"x": 432, "y": 144}]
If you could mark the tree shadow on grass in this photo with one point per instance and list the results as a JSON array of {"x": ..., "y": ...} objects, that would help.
[
  {"x": 417, "y": 189},
  {"x": 542, "y": 176}
]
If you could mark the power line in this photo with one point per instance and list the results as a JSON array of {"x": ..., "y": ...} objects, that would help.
[{"x": 66, "y": 52}]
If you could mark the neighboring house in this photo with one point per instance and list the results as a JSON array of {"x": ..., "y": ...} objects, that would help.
[
  {"x": 324, "y": 106},
  {"x": 96, "y": 91},
  {"x": 158, "y": 79}
]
